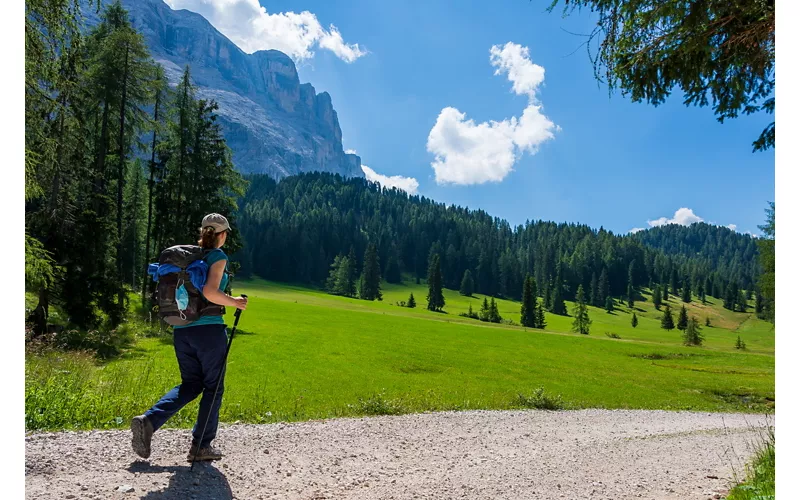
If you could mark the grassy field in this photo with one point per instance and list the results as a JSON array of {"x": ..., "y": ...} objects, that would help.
[{"x": 301, "y": 354}]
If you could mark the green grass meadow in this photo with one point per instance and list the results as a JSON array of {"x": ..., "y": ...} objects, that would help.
[{"x": 301, "y": 354}]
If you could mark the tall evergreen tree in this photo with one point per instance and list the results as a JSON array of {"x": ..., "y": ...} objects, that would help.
[
  {"x": 731, "y": 296},
  {"x": 665, "y": 293},
  {"x": 657, "y": 297},
  {"x": 609, "y": 304},
  {"x": 594, "y": 292},
  {"x": 528, "y": 307},
  {"x": 558, "y": 300},
  {"x": 371, "y": 275},
  {"x": 667, "y": 322},
  {"x": 741, "y": 302},
  {"x": 494, "y": 313},
  {"x": 412, "y": 303},
  {"x": 484, "y": 314},
  {"x": 604, "y": 288},
  {"x": 634, "y": 321},
  {"x": 766, "y": 255},
  {"x": 691, "y": 334},
  {"x": 351, "y": 273},
  {"x": 686, "y": 292},
  {"x": 683, "y": 319},
  {"x": 759, "y": 303},
  {"x": 582, "y": 322},
  {"x": 467, "y": 284},
  {"x": 541, "y": 322},
  {"x": 631, "y": 294},
  {"x": 435, "y": 295}
]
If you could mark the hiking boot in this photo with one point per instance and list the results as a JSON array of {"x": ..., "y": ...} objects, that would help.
[
  {"x": 205, "y": 453},
  {"x": 142, "y": 431}
]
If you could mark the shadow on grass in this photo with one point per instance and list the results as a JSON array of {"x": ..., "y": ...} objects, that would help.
[{"x": 204, "y": 482}]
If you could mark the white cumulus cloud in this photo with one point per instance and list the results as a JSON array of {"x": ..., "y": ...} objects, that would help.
[
  {"x": 636, "y": 230},
  {"x": 407, "y": 184},
  {"x": 466, "y": 152},
  {"x": 247, "y": 24},
  {"x": 683, "y": 216}
]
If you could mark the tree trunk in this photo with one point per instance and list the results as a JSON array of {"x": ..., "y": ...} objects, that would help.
[
  {"x": 150, "y": 196},
  {"x": 121, "y": 173}
]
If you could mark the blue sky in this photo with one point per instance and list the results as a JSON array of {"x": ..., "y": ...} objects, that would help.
[{"x": 604, "y": 161}]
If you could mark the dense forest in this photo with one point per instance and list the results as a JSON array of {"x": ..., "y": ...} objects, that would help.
[
  {"x": 293, "y": 231},
  {"x": 118, "y": 164}
]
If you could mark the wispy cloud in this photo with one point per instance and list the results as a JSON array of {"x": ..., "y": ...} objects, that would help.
[
  {"x": 247, "y": 24},
  {"x": 466, "y": 152}
]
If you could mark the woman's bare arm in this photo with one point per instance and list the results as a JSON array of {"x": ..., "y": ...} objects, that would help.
[{"x": 212, "y": 292}]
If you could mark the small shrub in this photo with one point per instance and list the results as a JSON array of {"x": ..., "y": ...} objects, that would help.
[
  {"x": 539, "y": 400},
  {"x": 377, "y": 404},
  {"x": 612, "y": 335},
  {"x": 401, "y": 303},
  {"x": 739, "y": 344}
]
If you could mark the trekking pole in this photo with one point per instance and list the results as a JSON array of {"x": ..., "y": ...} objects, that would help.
[{"x": 236, "y": 316}]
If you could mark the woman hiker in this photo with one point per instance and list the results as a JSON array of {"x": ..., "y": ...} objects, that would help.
[{"x": 200, "y": 349}]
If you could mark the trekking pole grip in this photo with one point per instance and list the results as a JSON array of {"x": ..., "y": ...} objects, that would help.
[{"x": 238, "y": 311}]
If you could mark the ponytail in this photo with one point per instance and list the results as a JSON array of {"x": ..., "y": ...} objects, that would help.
[{"x": 208, "y": 238}]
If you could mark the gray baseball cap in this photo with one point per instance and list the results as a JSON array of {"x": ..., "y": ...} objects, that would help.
[{"x": 217, "y": 221}]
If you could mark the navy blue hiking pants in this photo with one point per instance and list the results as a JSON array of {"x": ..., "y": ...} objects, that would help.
[{"x": 201, "y": 358}]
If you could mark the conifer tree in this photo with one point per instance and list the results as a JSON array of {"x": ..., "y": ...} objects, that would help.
[
  {"x": 657, "y": 297},
  {"x": 609, "y": 304},
  {"x": 467, "y": 284},
  {"x": 665, "y": 293},
  {"x": 558, "y": 300},
  {"x": 634, "y": 321},
  {"x": 741, "y": 303},
  {"x": 494, "y": 313},
  {"x": 582, "y": 322},
  {"x": 630, "y": 296},
  {"x": 371, "y": 275},
  {"x": 604, "y": 289},
  {"x": 667, "y": 322},
  {"x": 528, "y": 307},
  {"x": 739, "y": 344},
  {"x": 686, "y": 292},
  {"x": 412, "y": 303},
  {"x": 540, "y": 319},
  {"x": 702, "y": 294},
  {"x": 708, "y": 321},
  {"x": 683, "y": 319},
  {"x": 692, "y": 335},
  {"x": 485, "y": 312},
  {"x": 594, "y": 292},
  {"x": 759, "y": 303},
  {"x": 435, "y": 294}
]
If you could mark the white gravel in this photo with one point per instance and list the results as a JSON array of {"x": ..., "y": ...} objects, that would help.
[{"x": 594, "y": 454}]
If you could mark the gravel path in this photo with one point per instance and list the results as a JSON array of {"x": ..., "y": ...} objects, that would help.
[{"x": 595, "y": 454}]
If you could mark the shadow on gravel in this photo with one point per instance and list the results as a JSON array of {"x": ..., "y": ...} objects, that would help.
[{"x": 205, "y": 482}]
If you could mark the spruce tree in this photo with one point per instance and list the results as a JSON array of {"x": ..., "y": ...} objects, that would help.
[
  {"x": 741, "y": 303},
  {"x": 594, "y": 292},
  {"x": 467, "y": 284},
  {"x": 484, "y": 314},
  {"x": 692, "y": 335},
  {"x": 609, "y": 304},
  {"x": 581, "y": 313},
  {"x": 412, "y": 303},
  {"x": 634, "y": 321},
  {"x": 667, "y": 323},
  {"x": 683, "y": 319},
  {"x": 528, "y": 307},
  {"x": 557, "y": 294},
  {"x": 686, "y": 292},
  {"x": 352, "y": 273},
  {"x": 494, "y": 313},
  {"x": 731, "y": 296},
  {"x": 657, "y": 297},
  {"x": 673, "y": 282},
  {"x": 604, "y": 289},
  {"x": 371, "y": 275},
  {"x": 665, "y": 293},
  {"x": 540, "y": 319},
  {"x": 702, "y": 294},
  {"x": 739, "y": 344},
  {"x": 630, "y": 296},
  {"x": 759, "y": 303},
  {"x": 435, "y": 294}
]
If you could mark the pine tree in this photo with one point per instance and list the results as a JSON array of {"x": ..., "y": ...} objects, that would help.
[
  {"x": 741, "y": 303},
  {"x": 673, "y": 282},
  {"x": 702, "y": 293},
  {"x": 630, "y": 296},
  {"x": 657, "y": 297},
  {"x": 731, "y": 296},
  {"x": 581, "y": 313},
  {"x": 604, "y": 289},
  {"x": 371, "y": 275},
  {"x": 759, "y": 303},
  {"x": 634, "y": 321},
  {"x": 435, "y": 294},
  {"x": 609, "y": 304},
  {"x": 558, "y": 300},
  {"x": 739, "y": 344},
  {"x": 528, "y": 307},
  {"x": 683, "y": 319},
  {"x": 467, "y": 284},
  {"x": 692, "y": 335},
  {"x": 665, "y": 293},
  {"x": 485, "y": 313},
  {"x": 594, "y": 291},
  {"x": 667, "y": 323},
  {"x": 494, "y": 313},
  {"x": 540, "y": 319},
  {"x": 412, "y": 303},
  {"x": 686, "y": 292}
]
